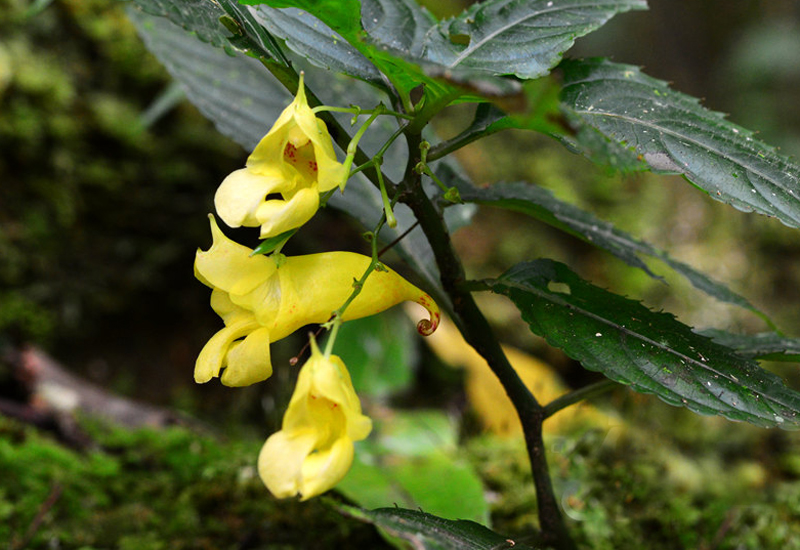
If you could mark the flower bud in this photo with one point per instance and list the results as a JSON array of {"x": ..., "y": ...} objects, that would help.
[{"x": 314, "y": 449}]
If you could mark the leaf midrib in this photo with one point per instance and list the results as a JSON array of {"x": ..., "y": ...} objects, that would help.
[
  {"x": 713, "y": 150},
  {"x": 642, "y": 338}
]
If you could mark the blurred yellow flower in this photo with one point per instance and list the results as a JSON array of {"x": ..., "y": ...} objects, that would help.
[
  {"x": 294, "y": 160},
  {"x": 490, "y": 400},
  {"x": 314, "y": 449},
  {"x": 261, "y": 303}
]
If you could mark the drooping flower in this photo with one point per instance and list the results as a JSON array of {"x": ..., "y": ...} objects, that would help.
[
  {"x": 314, "y": 449},
  {"x": 260, "y": 302},
  {"x": 294, "y": 160}
]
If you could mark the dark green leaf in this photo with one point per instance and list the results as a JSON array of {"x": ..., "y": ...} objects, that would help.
[
  {"x": 586, "y": 140},
  {"x": 196, "y": 16},
  {"x": 652, "y": 352},
  {"x": 319, "y": 44},
  {"x": 538, "y": 108},
  {"x": 224, "y": 24},
  {"x": 525, "y": 38},
  {"x": 674, "y": 134},
  {"x": 378, "y": 35},
  {"x": 235, "y": 92},
  {"x": 401, "y": 25},
  {"x": 345, "y": 19},
  {"x": 539, "y": 203},
  {"x": 766, "y": 345},
  {"x": 429, "y": 532},
  {"x": 254, "y": 38}
]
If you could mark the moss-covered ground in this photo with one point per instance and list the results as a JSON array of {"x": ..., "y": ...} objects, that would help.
[
  {"x": 708, "y": 484},
  {"x": 151, "y": 490}
]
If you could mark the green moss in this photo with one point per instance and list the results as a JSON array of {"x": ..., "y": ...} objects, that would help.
[
  {"x": 668, "y": 479},
  {"x": 168, "y": 488}
]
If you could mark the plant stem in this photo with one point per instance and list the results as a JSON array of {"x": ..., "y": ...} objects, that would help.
[
  {"x": 478, "y": 333},
  {"x": 336, "y": 319},
  {"x": 357, "y": 111},
  {"x": 580, "y": 394}
]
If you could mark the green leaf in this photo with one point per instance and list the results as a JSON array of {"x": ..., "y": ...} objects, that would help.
[
  {"x": 319, "y": 44},
  {"x": 251, "y": 36},
  {"x": 345, "y": 19},
  {"x": 401, "y": 25},
  {"x": 268, "y": 245},
  {"x": 223, "y": 23},
  {"x": 766, "y": 345},
  {"x": 381, "y": 352},
  {"x": 649, "y": 351},
  {"x": 405, "y": 43},
  {"x": 674, "y": 134},
  {"x": 539, "y": 110},
  {"x": 538, "y": 202},
  {"x": 196, "y": 16},
  {"x": 411, "y": 460},
  {"x": 234, "y": 91},
  {"x": 429, "y": 532},
  {"x": 402, "y": 28},
  {"x": 583, "y": 139},
  {"x": 525, "y": 38}
]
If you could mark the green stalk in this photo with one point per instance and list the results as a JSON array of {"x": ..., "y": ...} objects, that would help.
[
  {"x": 336, "y": 319},
  {"x": 580, "y": 394}
]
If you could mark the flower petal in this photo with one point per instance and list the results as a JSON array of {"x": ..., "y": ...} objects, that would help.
[
  {"x": 227, "y": 263},
  {"x": 249, "y": 361},
  {"x": 332, "y": 383},
  {"x": 213, "y": 355},
  {"x": 239, "y": 194},
  {"x": 278, "y": 216},
  {"x": 222, "y": 306},
  {"x": 322, "y": 470},
  {"x": 331, "y": 173},
  {"x": 269, "y": 150},
  {"x": 281, "y": 459}
]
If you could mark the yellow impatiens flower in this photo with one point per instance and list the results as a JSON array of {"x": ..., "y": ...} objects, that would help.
[
  {"x": 294, "y": 160},
  {"x": 314, "y": 449},
  {"x": 261, "y": 303}
]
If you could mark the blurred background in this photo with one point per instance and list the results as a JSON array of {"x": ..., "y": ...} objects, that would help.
[{"x": 107, "y": 174}]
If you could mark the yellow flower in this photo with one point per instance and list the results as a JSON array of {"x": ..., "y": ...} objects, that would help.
[
  {"x": 294, "y": 160},
  {"x": 261, "y": 303},
  {"x": 314, "y": 449}
]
